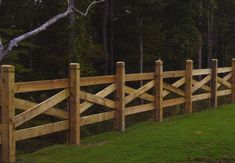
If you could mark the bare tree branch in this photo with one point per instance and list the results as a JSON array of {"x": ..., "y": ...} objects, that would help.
[
  {"x": 88, "y": 8},
  {"x": 14, "y": 42}
]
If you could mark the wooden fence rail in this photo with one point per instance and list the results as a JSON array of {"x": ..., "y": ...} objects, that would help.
[{"x": 161, "y": 89}]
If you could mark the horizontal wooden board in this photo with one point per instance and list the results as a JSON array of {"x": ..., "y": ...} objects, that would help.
[
  {"x": 201, "y": 97},
  {"x": 173, "y": 74},
  {"x": 41, "y": 85},
  {"x": 139, "y": 76},
  {"x": 55, "y": 112},
  {"x": 224, "y": 92},
  {"x": 139, "y": 108},
  {"x": 224, "y": 69},
  {"x": 201, "y": 72},
  {"x": 172, "y": 102},
  {"x": 97, "y": 80},
  {"x": 90, "y": 119},
  {"x": 41, "y": 130}
]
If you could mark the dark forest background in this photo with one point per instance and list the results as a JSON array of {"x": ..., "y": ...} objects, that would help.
[{"x": 137, "y": 32}]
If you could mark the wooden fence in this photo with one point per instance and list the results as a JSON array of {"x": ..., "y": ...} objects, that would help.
[{"x": 187, "y": 85}]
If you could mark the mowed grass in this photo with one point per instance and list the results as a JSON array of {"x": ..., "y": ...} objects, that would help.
[{"x": 208, "y": 136}]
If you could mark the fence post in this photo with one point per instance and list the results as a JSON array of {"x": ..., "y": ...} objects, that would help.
[
  {"x": 120, "y": 94},
  {"x": 74, "y": 103},
  {"x": 188, "y": 91},
  {"x": 158, "y": 113},
  {"x": 8, "y": 113},
  {"x": 214, "y": 82},
  {"x": 233, "y": 80}
]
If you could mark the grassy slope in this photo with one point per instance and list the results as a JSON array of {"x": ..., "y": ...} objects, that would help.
[{"x": 202, "y": 137}]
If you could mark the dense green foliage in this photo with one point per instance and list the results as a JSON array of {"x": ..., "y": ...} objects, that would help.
[
  {"x": 207, "y": 136},
  {"x": 169, "y": 29}
]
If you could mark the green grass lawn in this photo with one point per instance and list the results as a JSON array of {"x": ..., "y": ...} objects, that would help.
[{"x": 208, "y": 136}]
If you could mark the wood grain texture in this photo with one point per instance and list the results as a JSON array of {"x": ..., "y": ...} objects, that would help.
[
  {"x": 158, "y": 103},
  {"x": 214, "y": 83},
  {"x": 139, "y": 92},
  {"x": 74, "y": 103},
  {"x": 95, "y": 118},
  {"x": 40, "y": 108},
  {"x": 22, "y": 104},
  {"x": 120, "y": 96},
  {"x": 103, "y": 93},
  {"x": 41, "y": 130},
  {"x": 41, "y": 85},
  {"x": 188, "y": 87},
  {"x": 8, "y": 113}
]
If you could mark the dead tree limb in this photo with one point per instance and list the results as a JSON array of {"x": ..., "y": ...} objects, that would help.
[{"x": 14, "y": 42}]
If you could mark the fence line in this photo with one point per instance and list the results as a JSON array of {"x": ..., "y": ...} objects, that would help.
[{"x": 161, "y": 89}]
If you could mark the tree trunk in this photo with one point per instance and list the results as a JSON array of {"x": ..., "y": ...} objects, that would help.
[
  {"x": 210, "y": 34},
  {"x": 199, "y": 63},
  {"x": 141, "y": 44},
  {"x": 141, "y": 61},
  {"x": 105, "y": 39},
  {"x": 72, "y": 21},
  {"x": 111, "y": 51}
]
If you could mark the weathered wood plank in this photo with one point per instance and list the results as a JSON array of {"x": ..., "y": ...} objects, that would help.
[
  {"x": 41, "y": 108},
  {"x": 41, "y": 85},
  {"x": 144, "y": 96},
  {"x": 139, "y": 92},
  {"x": 139, "y": 108},
  {"x": 224, "y": 92},
  {"x": 225, "y": 78},
  {"x": 173, "y": 89},
  {"x": 41, "y": 130},
  {"x": 224, "y": 82},
  {"x": 201, "y": 97},
  {"x": 158, "y": 103},
  {"x": 201, "y": 83},
  {"x": 173, "y": 74},
  {"x": 224, "y": 70},
  {"x": 120, "y": 95},
  {"x": 74, "y": 103},
  {"x": 95, "y": 118},
  {"x": 204, "y": 87},
  {"x": 105, "y": 92},
  {"x": 55, "y": 112},
  {"x": 139, "y": 76},
  {"x": 177, "y": 84},
  {"x": 97, "y": 80},
  {"x": 97, "y": 99},
  {"x": 173, "y": 102},
  {"x": 201, "y": 72},
  {"x": 214, "y": 83},
  {"x": 188, "y": 87},
  {"x": 8, "y": 113}
]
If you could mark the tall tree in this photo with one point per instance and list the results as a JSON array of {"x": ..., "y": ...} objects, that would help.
[{"x": 211, "y": 8}]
